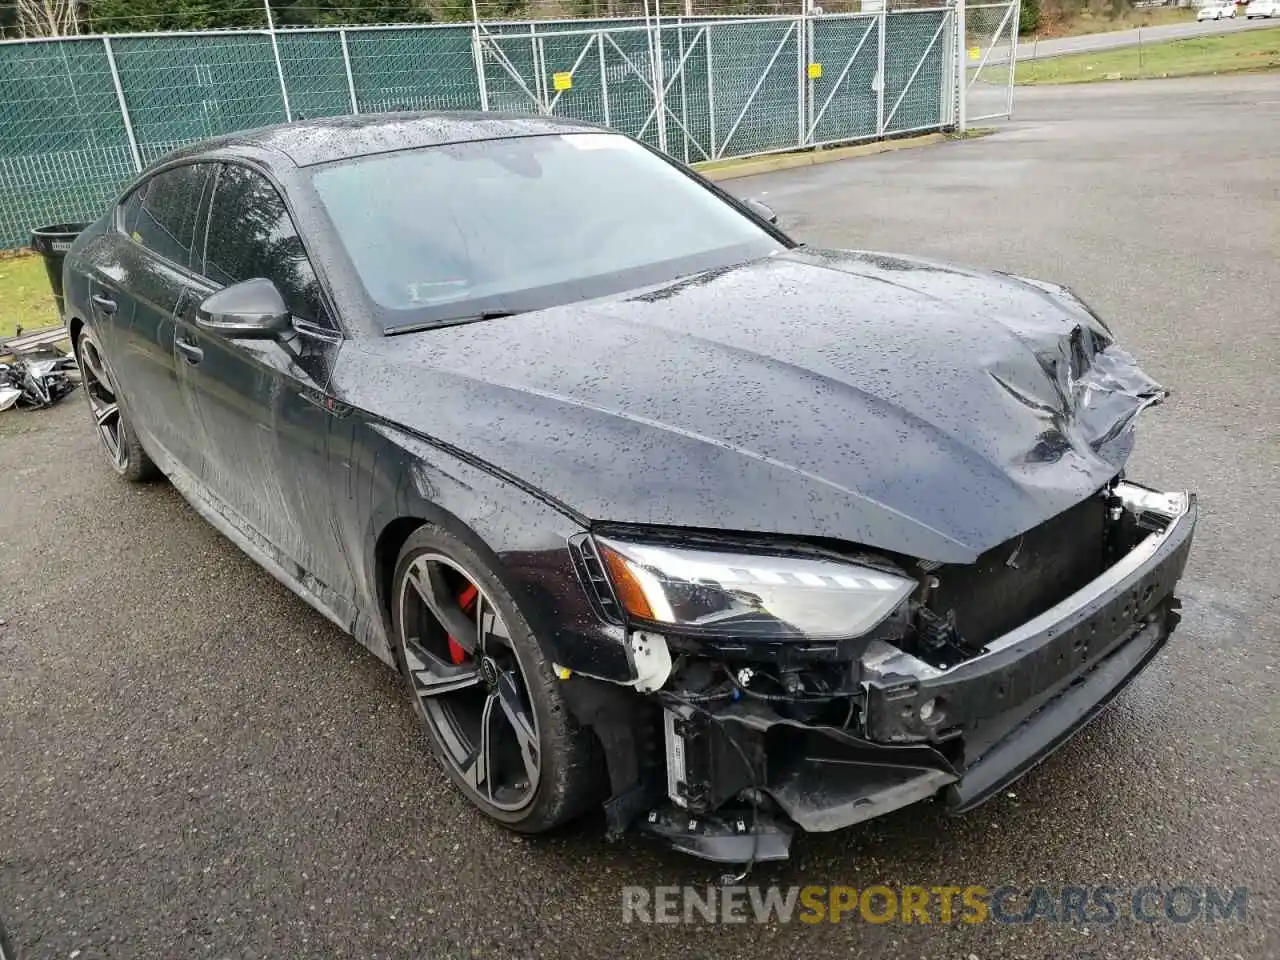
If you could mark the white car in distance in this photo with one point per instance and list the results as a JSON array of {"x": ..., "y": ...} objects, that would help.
[{"x": 1217, "y": 11}]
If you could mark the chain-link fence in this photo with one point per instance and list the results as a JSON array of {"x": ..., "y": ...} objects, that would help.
[
  {"x": 80, "y": 116},
  {"x": 991, "y": 44}
]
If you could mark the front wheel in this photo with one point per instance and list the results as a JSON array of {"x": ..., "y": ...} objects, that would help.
[
  {"x": 124, "y": 450},
  {"x": 483, "y": 689}
]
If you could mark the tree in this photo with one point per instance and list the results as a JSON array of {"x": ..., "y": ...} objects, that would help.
[
  {"x": 460, "y": 10},
  {"x": 115, "y": 16},
  {"x": 48, "y": 18},
  {"x": 119, "y": 16},
  {"x": 1028, "y": 16}
]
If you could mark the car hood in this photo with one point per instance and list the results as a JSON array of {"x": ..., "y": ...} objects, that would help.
[{"x": 896, "y": 403}]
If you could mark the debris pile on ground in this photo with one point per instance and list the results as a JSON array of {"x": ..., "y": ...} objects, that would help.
[{"x": 36, "y": 376}]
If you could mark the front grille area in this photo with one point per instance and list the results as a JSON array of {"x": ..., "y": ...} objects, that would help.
[{"x": 1023, "y": 577}]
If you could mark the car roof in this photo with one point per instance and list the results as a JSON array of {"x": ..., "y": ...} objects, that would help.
[{"x": 309, "y": 142}]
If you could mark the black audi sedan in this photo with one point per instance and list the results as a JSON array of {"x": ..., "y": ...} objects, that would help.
[{"x": 652, "y": 507}]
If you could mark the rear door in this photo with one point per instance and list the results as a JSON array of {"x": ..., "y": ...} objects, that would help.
[
  {"x": 151, "y": 269},
  {"x": 263, "y": 404}
]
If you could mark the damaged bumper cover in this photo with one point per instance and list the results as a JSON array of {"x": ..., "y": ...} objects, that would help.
[{"x": 965, "y": 732}]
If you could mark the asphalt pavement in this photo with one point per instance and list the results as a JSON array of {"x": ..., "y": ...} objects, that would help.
[
  {"x": 1033, "y": 48},
  {"x": 193, "y": 763}
]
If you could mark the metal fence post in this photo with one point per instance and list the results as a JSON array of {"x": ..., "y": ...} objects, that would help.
[
  {"x": 803, "y": 84},
  {"x": 275, "y": 52},
  {"x": 711, "y": 94},
  {"x": 346, "y": 65},
  {"x": 806, "y": 138},
  {"x": 539, "y": 75},
  {"x": 880, "y": 84},
  {"x": 604, "y": 79},
  {"x": 477, "y": 58},
  {"x": 684, "y": 98},
  {"x": 654, "y": 28},
  {"x": 124, "y": 107},
  {"x": 950, "y": 89},
  {"x": 962, "y": 86},
  {"x": 1016, "y": 18}
]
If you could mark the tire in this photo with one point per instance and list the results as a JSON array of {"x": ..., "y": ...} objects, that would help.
[
  {"x": 123, "y": 448},
  {"x": 504, "y": 680}
]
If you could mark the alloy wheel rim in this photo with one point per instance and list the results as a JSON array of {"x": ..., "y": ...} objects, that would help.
[
  {"x": 469, "y": 682},
  {"x": 103, "y": 404}
]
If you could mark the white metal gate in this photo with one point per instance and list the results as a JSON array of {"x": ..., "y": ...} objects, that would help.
[
  {"x": 845, "y": 79},
  {"x": 624, "y": 78},
  {"x": 713, "y": 89},
  {"x": 989, "y": 59},
  {"x": 917, "y": 76}
]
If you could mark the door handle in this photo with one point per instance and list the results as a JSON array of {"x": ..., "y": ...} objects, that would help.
[
  {"x": 105, "y": 304},
  {"x": 189, "y": 350}
]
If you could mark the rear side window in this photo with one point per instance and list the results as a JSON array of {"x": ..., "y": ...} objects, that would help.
[
  {"x": 251, "y": 235},
  {"x": 166, "y": 210}
]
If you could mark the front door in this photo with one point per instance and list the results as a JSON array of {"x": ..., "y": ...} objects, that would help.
[{"x": 263, "y": 403}]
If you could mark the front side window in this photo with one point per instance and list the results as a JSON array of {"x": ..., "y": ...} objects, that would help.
[
  {"x": 129, "y": 207},
  {"x": 463, "y": 229},
  {"x": 161, "y": 214},
  {"x": 251, "y": 235}
]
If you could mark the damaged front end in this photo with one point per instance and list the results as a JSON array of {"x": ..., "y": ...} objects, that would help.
[
  {"x": 990, "y": 583},
  {"x": 763, "y": 717}
]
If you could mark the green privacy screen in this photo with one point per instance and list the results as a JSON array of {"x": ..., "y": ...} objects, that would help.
[
  {"x": 727, "y": 88},
  {"x": 63, "y": 148}
]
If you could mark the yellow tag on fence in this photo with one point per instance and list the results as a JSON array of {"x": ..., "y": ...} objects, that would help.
[
  {"x": 974, "y": 53},
  {"x": 815, "y": 71},
  {"x": 562, "y": 81}
]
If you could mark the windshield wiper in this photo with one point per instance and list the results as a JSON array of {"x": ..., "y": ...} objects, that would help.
[{"x": 452, "y": 321}]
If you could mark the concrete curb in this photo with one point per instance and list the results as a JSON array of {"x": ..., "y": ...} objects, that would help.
[{"x": 750, "y": 166}]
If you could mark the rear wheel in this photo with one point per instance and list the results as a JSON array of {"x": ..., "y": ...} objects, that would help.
[
  {"x": 483, "y": 689},
  {"x": 124, "y": 451}
]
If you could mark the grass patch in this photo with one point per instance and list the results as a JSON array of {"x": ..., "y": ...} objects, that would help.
[
  {"x": 972, "y": 133},
  {"x": 25, "y": 298},
  {"x": 1247, "y": 51}
]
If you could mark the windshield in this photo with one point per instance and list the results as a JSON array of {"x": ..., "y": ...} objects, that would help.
[{"x": 503, "y": 226}]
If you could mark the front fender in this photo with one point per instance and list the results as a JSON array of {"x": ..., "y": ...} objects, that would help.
[{"x": 397, "y": 476}]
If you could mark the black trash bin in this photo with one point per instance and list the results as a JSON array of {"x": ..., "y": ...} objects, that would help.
[{"x": 52, "y": 243}]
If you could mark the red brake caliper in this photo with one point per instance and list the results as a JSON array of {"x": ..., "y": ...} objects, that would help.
[{"x": 467, "y": 601}]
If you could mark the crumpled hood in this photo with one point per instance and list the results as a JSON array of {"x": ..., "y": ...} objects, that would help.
[{"x": 900, "y": 404}]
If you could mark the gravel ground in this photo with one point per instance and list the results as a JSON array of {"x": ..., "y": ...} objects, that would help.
[{"x": 193, "y": 763}]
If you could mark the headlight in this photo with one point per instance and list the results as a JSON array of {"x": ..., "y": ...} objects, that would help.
[{"x": 749, "y": 594}]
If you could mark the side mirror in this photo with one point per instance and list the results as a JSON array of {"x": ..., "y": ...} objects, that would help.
[
  {"x": 253, "y": 309},
  {"x": 761, "y": 209}
]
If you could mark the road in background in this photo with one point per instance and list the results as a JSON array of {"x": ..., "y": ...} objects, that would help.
[
  {"x": 1030, "y": 48},
  {"x": 193, "y": 763}
]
